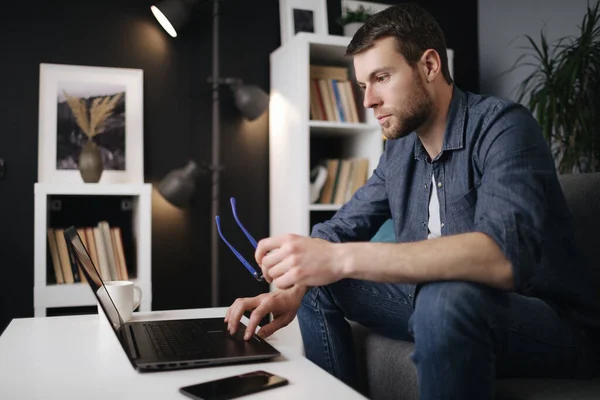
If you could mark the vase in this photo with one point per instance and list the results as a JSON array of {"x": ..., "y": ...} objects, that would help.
[
  {"x": 90, "y": 163},
  {"x": 351, "y": 28}
]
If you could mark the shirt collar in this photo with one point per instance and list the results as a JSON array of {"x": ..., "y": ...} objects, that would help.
[{"x": 455, "y": 128}]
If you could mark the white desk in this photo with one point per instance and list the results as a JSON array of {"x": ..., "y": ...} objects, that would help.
[{"x": 79, "y": 357}]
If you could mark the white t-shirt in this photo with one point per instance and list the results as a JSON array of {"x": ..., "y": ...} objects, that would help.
[{"x": 434, "y": 224}]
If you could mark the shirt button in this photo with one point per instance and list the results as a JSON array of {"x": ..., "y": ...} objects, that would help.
[
  {"x": 439, "y": 184},
  {"x": 410, "y": 296},
  {"x": 442, "y": 224},
  {"x": 425, "y": 186}
]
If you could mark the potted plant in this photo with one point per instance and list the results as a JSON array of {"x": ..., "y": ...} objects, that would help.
[
  {"x": 91, "y": 116},
  {"x": 351, "y": 20},
  {"x": 563, "y": 92}
]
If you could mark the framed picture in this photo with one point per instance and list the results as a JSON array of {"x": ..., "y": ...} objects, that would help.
[
  {"x": 80, "y": 102},
  {"x": 370, "y": 6},
  {"x": 302, "y": 16}
]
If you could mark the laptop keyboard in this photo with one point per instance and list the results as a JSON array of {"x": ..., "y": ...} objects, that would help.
[{"x": 184, "y": 338}]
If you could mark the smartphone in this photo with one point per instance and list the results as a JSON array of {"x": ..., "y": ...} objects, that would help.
[{"x": 234, "y": 386}]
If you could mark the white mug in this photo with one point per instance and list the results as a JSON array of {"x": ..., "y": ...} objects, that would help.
[{"x": 126, "y": 296}]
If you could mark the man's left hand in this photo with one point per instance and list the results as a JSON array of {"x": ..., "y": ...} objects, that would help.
[{"x": 289, "y": 260}]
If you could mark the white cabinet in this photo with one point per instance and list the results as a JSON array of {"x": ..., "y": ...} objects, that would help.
[
  {"x": 136, "y": 198},
  {"x": 296, "y": 143}
]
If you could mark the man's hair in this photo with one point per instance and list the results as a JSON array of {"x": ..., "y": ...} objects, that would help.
[{"x": 413, "y": 27}]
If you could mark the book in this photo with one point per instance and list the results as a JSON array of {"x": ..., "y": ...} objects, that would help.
[
  {"x": 91, "y": 242},
  {"x": 63, "y": 252},
  {"x": 326, "y": 98},
  {"x": 329, "y": 72},
  {"x": 327, "y": 191},
  {"x": 103, "y": 267},
  {"x": 120, "y": 252},
  {"x": 359, "y": 174},
  {"x": 333, "y": 101},
  {"x": 342, "y": 182},
  {"x": 317, "y": 112},
  {"x": 338, "y": 101},
  {"x": 351, "y": 174},
  {"x": 344, "y": 99},
  {"x": 55, "y": 257},
  {"x": 348, "y": 93},
  {"x": 319, "y": 98},
  {"x": 110, "y": 251}
]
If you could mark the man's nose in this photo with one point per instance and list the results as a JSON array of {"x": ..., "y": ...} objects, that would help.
[{"x": 371, "y": 99}]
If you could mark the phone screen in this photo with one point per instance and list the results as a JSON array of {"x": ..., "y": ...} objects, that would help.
[{"x": 235, "y": 386}]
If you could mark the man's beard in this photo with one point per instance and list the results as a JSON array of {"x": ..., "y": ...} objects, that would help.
[{"x": 413, "y": 116}]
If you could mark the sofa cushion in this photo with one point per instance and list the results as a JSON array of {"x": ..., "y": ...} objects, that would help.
[
  {"x": 387, "y": 372},
  {"x": 384, "y": 366},
  {"x": 547, "y": 389},
  {"x": 582, "y": 192},
  {"x": 385, "y": 233}
]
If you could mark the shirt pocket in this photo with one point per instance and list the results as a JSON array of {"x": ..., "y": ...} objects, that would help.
[{"x": 462, "y": 210}]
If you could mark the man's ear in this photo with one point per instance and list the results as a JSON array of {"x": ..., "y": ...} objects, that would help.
[{"x": 432, "y": 64}]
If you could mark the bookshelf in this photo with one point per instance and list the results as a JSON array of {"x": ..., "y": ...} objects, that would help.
[
  {"x": 59, "y": 205},
  {"x": 297, "y": 142}
]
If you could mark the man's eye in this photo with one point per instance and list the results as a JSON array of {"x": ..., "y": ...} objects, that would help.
[{"x": 382, "y": 78}]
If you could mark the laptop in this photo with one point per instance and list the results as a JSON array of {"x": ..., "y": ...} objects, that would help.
[{"x": 170, "y": 344}]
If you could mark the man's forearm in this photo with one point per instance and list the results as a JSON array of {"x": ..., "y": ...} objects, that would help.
[{"x": 468, "y": 257}]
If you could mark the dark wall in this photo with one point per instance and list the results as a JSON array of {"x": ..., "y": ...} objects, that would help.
[{"x": 177, "y": 126}]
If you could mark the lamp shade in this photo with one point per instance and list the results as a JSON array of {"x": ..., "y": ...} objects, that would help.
[
  {"x": 251, "y": 100},
  {"x": 173, "y": 14},
  {"x": 179, "y": 185}
]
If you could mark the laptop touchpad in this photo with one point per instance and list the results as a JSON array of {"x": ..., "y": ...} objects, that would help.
[{"x": 230, "y": 345}]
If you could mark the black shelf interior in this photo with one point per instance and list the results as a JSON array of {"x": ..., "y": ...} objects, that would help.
[
  {"x": 86, "y": 211},
  {"x": 319, "y": 216}
]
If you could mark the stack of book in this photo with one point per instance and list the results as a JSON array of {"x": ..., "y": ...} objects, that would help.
[
  {"x": 344, "y": 177},
  {"x": 103, "y": 243},
  {"x": 331, "y": 95}
]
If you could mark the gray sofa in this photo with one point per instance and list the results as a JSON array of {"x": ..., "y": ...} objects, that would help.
[{"x": 385, "y": 366}]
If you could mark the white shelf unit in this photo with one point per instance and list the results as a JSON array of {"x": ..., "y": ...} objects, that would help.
[
  {"x": 47, "y": 295},
  {"x": 292, "y": 133}
]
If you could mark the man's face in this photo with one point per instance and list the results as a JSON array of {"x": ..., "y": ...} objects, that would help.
[{"x": 393, "y": 89}]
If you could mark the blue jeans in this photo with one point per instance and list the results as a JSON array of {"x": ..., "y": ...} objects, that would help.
[{"x": 465, "y": 334}]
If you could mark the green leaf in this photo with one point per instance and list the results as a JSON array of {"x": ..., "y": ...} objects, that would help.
[{"x": 562, "y": 90}]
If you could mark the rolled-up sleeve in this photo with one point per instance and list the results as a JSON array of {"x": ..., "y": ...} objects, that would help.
[
  {"x": 360, "y": 218},
  {"x": 516, "y": 166}
]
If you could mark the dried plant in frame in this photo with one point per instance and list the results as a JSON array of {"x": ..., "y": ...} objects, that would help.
[
  {"x": 86, "y": 117},
  {"x": 79, "y": 104},
  {"x": 92, "y": 122}
]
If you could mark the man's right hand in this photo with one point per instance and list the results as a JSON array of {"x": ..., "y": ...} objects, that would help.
[{"x": 283, "y": 304}]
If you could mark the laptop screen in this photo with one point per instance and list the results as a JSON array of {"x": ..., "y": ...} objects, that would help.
[{"x": 79, "y": 252}]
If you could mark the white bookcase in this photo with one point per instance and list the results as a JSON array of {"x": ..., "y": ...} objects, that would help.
[
  {"x": 48, "y": 295},
  {"x": 294, "y": 138}
]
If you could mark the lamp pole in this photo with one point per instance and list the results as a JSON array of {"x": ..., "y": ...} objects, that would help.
[
  {"x": 178, "y": 186},
  {"x": 216, "y": 166}
]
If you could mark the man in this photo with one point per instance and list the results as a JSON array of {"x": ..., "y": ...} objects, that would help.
[{"x": 484, "y": 278}]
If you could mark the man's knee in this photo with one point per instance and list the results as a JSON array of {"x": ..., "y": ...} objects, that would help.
[
  {"x": 324, "y": 297},
  {"x": 441, "y": 306},
  {"x": 313, "y": 297},
  {"x": 314, "y": 300}
]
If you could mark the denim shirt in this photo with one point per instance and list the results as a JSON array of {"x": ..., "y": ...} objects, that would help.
[{"x": 495, "y": 175}]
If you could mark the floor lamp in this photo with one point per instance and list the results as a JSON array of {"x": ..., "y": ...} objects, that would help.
[{"x": 179, "y": 185}]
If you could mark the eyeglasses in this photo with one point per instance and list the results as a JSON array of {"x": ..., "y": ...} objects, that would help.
[{"x": 257, "y": 275}]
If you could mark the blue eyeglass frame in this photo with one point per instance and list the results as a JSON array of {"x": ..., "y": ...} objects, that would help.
[{"x": 257, "y": 275}]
